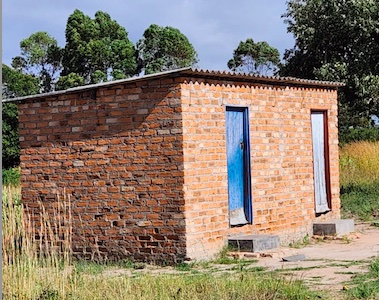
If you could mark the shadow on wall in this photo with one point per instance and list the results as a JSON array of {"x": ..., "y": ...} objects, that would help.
[{"x": 118, "y": 152}]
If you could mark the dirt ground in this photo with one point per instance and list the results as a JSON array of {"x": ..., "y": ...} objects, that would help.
[{"x": 330, "y": 262}]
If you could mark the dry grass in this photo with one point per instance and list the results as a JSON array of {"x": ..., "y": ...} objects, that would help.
[
  {"x": 33, "y": 269},
  {"x": 359, "y": 163},
  {"x": 42, "y": 269}
]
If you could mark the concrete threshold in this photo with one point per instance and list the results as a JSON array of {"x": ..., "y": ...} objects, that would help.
[
  {"x": 333, "y": 227},
  {"x": 254, "y": 242}
]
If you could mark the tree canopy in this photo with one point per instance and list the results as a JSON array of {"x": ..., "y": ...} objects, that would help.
[
  {"x": 97, "y": 50},
  {"x": 40, "y": 56},
  {"x": 338, "y": 40},
  {"x": 165, "y": 48},
  {"x": 255, "y": 58}
]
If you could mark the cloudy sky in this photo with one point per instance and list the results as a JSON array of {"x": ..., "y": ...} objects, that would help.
[{"x": 214, "y": 27}]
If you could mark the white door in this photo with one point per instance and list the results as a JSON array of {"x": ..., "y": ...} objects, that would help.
[{"x": 319, "y": 162}]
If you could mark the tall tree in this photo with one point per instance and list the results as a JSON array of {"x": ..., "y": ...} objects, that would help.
[
  {"x": 255, "y": 58},
  {"x": 96, "y": 49},
  {"x": 15, "y": 84},
  {"x": 40, "y": 56},
  {"x": 165, "y": 48},
  {"x": 338, "y": 40}
]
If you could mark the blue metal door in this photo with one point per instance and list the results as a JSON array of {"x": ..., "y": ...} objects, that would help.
[{"x": 238, "y": 158}]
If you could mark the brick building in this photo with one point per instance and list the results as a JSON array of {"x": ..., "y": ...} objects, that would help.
[{"x": 166, "y": 167}]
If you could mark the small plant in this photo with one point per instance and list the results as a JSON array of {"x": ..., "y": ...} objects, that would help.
[
  {"x": 301, "y": 243},
  {"x": 89, "y": 267},
  {"x": 346, "y": 239},
  {"x": 11, "y": 177},
  {"x": 184, "y": 266},
  {"x": 223, "y": 258},
  {"x": 49, "y": 294}
]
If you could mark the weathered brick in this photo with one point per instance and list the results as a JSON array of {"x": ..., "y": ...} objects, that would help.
[{"x": 145, "y": 166}]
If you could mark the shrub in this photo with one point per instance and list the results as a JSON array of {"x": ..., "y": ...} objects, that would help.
[
  {"x": 359, "y": 134},
  {"x": 11, "y": 176}
]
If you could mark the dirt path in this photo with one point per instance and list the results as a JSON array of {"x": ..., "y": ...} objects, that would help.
[{"x": 330, "y": 263}]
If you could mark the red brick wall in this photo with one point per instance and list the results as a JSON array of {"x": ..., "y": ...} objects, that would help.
[
  {"x": 144, "y": 164},
  {"x": 281, "y": 160},
  {"x": 118, "y": 157}
]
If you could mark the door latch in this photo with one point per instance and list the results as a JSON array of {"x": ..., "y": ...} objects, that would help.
[{"x": 242, "y": 145}]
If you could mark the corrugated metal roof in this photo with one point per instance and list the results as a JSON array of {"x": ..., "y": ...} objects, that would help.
[
  {"x": 260, "y": 78},
  {"x": 197, "y": 73}
]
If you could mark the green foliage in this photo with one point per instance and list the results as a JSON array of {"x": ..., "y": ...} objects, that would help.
[
  {"x": 15, "y": 84},
  {"x": 97, "y": 50},
  {"x": 301, "y": 243},
  {"x": 366, "y": 285},
  {"x": 184, "y": 267},
  {"x": 360, "y": 201},
  {"x": 40, "y": 56},
  {"x": 89, "y": 267},
  {"x": 11, "y": 176},
  {"x": 255, "y": 58},
  {"x": 10, "y": 137},
  {"x": 337, "y": 40},
  {"x": 165, "y": 48},
  {"x": 359, "y": 180},
  {"x": 69, "y": 81},
  {"x": 359, "y": 134}
]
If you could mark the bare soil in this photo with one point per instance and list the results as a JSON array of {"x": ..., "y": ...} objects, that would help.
[{"x": 329, "y": 264}]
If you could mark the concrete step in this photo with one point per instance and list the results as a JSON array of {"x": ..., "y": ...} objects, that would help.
[
  {"x": 254, "y": 242},
  {"x": 333, "y": 227}
]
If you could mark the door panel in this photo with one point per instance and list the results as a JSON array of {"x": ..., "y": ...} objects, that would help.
[
  {"x": 319, "y": 161},
  {"x": 237, "y": 168}
]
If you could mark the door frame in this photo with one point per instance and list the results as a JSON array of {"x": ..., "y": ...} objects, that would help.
[
  {"x": 248, "y": 204},
  {"x": 324, "y": 112}
]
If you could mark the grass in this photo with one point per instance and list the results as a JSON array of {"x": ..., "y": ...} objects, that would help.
[
  {"x": 223, "y": 259},
  {"x": 366, "y": 286},
  {"x": 300, "y": 243},
  {"x": 11, "y": 176},
  {"x": 359, "y": 167},
  {"x": 359, "y": 163},
  {"x": 34, "y": 269}
]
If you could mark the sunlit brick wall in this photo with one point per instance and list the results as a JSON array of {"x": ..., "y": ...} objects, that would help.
[
  {"x": 143, "y": 164},
  {"x": 281, "y": 160}
]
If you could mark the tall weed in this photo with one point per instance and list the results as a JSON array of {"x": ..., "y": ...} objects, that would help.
[
  {"x": 359, "y": 163},
  {"x": 33, "y": 268},
  {"x": 42, "y": 268},
  {"x": 359, "y": 180}
]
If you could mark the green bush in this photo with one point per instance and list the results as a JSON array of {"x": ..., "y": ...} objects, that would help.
[
  {"x": 10, "y": 136},
  {"x": 360, "y": 201},
  {"x": 11, "y": 176},
  {"x": 359, "y": 134}
]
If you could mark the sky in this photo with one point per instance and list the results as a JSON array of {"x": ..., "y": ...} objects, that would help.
[{"x": 214, "y": 27}]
